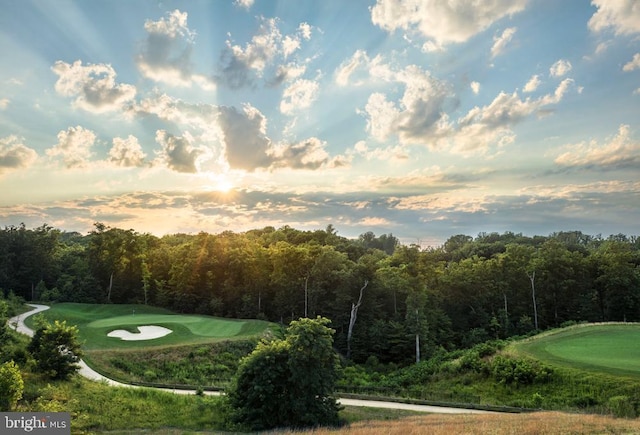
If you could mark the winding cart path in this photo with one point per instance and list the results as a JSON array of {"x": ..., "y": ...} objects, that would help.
[{"x": 18, "y": 324}]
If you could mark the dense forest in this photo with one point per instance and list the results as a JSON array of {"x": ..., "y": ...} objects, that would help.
[{"x": 382, "y": 297}]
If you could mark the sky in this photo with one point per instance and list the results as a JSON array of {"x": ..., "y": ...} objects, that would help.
[{"x": 419, "y": 118}]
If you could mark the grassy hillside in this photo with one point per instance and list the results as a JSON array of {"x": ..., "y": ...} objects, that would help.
[
  {"x": 591, "y": 381},
  {"x": 200, "y": 350},
  {"x": 578, "y": 369},
  {"x": 604, "y": 348},
  {"x": 98, "y": 408}
]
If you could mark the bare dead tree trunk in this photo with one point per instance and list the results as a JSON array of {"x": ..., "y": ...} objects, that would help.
[
  {"x": 352, "y": 319},
  {"x": 417, "y": 348},
  {"x": 110, "y": 287},
  {"x": 532, "y": 278},
  {"x": 506, "y": 314},
  {"x": 306, "y": 295}
]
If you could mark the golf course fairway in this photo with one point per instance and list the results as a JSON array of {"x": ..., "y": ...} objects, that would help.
[
  {"x": 96, "y": 321},
  {"x": 607, "y": 348}
]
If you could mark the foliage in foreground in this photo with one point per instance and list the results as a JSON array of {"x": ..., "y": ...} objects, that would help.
[
  {"x": 11, "y": 385},
  {"x": 289, "y": 382},
  {"x": 538, "y": 423},
  {"x": 56, "y": 348}
]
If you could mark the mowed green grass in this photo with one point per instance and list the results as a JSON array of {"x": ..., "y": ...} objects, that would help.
[
  {"x": 612, "y": 348},
  {"x": 96, "y": 321}
]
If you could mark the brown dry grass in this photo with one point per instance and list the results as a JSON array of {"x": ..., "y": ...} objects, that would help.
[{"x": 538, "y": 423}]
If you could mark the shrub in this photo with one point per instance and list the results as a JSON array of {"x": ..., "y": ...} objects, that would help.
[
  {"x": 288, "y": 382},
  {"x": 488, "y": 348},
  {"x": 537, "y": 400},
  {"x": 11, "y": 385},
  {"x": 56, "y": 349},
  {"x": 471, "y": 362},
  {"x": 519, "y": 371},
  {"x": 622, "y": 406}
]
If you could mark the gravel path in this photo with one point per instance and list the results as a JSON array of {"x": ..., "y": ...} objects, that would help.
[{"x": 17, "y": 323}]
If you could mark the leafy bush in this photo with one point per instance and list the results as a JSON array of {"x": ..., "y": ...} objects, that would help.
[
  {"x": 519, "y": 371},
  {"x": 488, "y": 348},
  {"x": 622, "y": 406},
  {"x": 471, "y": 361},
  {"x": 56, "y": 348},
  {"x": 11, "y": 385},
  {"x": 288, "y": 383}
]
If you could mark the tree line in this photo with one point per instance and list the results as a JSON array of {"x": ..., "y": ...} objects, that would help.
[{"x": 385, "y": 300}]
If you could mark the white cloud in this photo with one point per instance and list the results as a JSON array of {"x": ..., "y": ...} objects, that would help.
[
  {"x": 560, "y": 68},
  {"x": 94, "y": 86},
  {"x": 418, "y": 117},
  {"x": 559, "y": 93},
  {"x": 245, "y": 137},
  {"x": 381, "y": 116},
  {"x": 432, "y": 47},
  {"x": 4, "y": 103},
  {"x": 304, "y": 29},
  {"x": 348, "y": 67},
  {"x": 248, "y": 147},
  {"x": 396, "y": 152},
  {"x": 266, "y": 48},
  {"x": 74, "y": 146},
  {"x": 621, "y": 15},
  {"x": 361, "y": 69},
  {"x": 201, "y": 117},
  {"x": 246, "y": 4},
  {"x": 475, "y": 87},
  {"x": 633, "y": 64},
  {"x": 288, "y": 72},
  {"x": 166, "y": 53},
  {"x": 443, "y": 21},
  {"x": 306, "y": 154},
  {"x": 490, "y": 125},
  {"x": 127, "y": 152},
  {"x": 178, "y": 153},
  {"x": 14, "y": 154},
  {"x": 619, "y": 151},
  {"x": 532, "y": 84},
  {"x": 602, "y": 47},
  {"x": 500, "y": 42},
  {"x": 298, "y": 95}
]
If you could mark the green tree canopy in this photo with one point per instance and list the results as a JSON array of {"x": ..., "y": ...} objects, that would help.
[
  {"x": 290, "y": 382},
  {"x": 56, "y": 348}
]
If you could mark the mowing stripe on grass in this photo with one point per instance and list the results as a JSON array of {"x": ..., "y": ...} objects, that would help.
[
  {"x": 198, "y": 325},
  {"x": 96, "y": 321},
  {"x": 612, "y": 349}
]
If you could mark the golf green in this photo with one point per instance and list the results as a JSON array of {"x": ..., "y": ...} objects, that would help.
[
  {"x": 608, "y": 348},
  {"x": 198, "y": 325},
  {"x": 95, "y": 322}
]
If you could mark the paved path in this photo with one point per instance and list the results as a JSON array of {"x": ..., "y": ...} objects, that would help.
[{"x": 87, "y": 372}]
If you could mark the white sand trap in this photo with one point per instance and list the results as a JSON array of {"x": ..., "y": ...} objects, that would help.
[{"x": 146, "y": 333}]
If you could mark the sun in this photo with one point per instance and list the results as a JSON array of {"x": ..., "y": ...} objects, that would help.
[
  {"x": 224, "y": 185},
  {"x": 221, "y": 183}
]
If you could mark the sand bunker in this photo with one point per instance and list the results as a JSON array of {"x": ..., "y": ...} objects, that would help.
[{"x": 146, "y": 333}]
